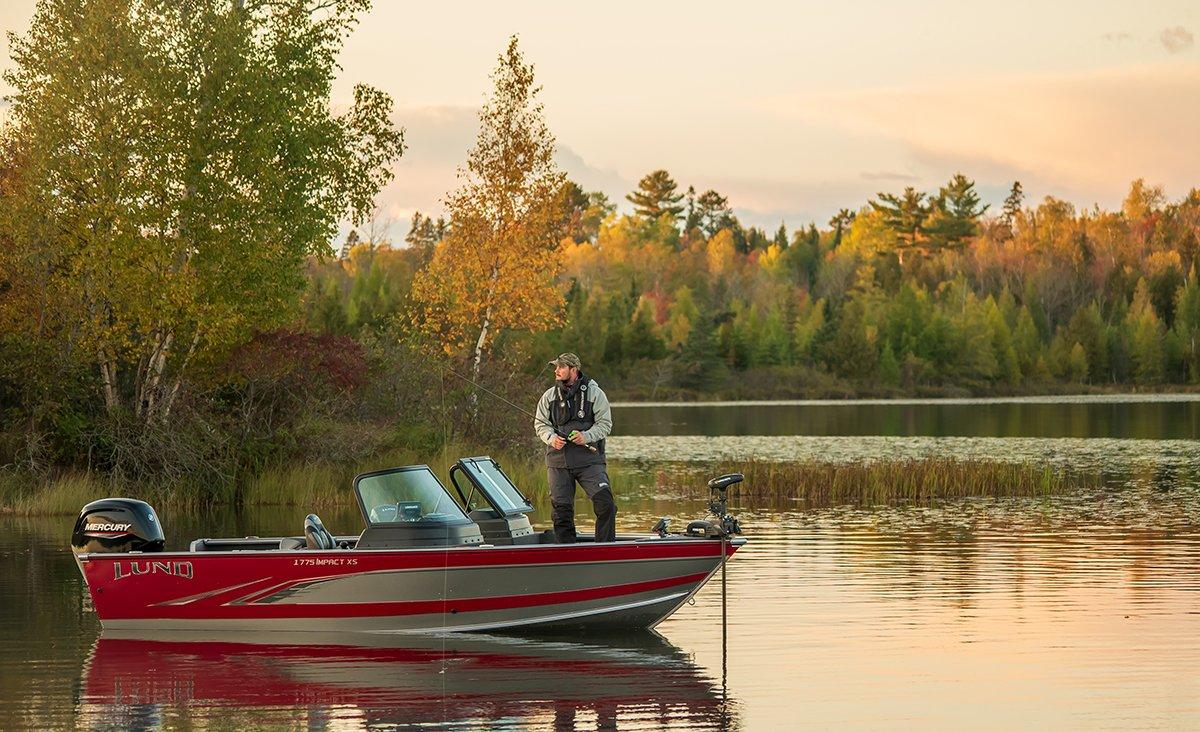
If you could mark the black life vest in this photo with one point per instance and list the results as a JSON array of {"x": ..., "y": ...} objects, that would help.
[{"x": 570, "y": 409}]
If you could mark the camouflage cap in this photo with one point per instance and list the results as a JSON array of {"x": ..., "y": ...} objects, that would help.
[{"x": 567, "y": 359}]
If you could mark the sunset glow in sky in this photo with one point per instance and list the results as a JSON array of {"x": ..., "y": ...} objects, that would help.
[{"x": 794, "y": 110}]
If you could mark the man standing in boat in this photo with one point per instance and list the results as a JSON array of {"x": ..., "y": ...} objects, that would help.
[{"x": 573, "y": 418}]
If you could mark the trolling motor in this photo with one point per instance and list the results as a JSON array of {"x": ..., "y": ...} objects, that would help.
[{"x": 724, "y": 524}]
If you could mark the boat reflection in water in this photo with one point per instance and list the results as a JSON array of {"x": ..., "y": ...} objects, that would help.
[{"x": 371, "y": 681}]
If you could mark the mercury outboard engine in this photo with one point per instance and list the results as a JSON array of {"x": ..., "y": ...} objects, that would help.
[{"x": 117, "y": 525}]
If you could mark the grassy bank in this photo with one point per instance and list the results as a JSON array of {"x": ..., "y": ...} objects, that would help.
[
  {"x": 917, "y": 481},
  {"x": 318, "y": 484}
]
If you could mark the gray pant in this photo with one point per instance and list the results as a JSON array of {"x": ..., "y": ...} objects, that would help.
[{"x": 594, "y": 481}]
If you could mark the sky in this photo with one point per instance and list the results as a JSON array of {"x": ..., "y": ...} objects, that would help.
[{"x": 795, "y": 110}]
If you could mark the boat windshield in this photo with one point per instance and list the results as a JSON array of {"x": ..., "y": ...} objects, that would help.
[
  {"x": 406, "y": 495},
  {"x": 487, "y": 477}
]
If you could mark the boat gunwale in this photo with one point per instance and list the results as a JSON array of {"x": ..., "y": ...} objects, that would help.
[{"x": 647, "y": 541}]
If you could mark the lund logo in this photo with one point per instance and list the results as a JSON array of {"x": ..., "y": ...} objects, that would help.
[
  {"x": 108, "y": 527},
  {"x": 175, "y": 569}
]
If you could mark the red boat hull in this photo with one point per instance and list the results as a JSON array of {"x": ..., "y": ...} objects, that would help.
[{"x": 621, "y": 585}]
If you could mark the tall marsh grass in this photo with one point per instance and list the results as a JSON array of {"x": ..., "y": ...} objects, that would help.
[
  {"x": 918, "y": 481},
  {"x": 319, "y": 484},
  {"x": 62, "y": 494}
]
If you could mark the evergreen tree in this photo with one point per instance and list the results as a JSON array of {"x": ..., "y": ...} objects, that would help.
[
  {"x": 1077, "y": 364},
  {"x": 781, "y": 237},
  {"x": 1145, "y": 333},
  {"x": 850, "y": 352},
  {"x": 810, "y": 319},
  {"x": 905, "y": 215},
  {"x": 701, "y": 367},
  {"x": 1027, "y": 343},
  {"x": 889, "y": 367},
  {"x": 842, "y": 219},
  {"x": 639, "y": 340},
  {"x": 656, "y": 196},
  {"x": 713, "y": 213},
  {"x": 1012, "y": 203},
  {"x": 954, "y": 213}
]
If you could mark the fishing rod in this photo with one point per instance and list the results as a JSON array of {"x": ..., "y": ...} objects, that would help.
[{"x": 565, "y": 435}]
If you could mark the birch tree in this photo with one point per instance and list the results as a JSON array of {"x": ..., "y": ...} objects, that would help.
[
  {"x": 179, "y": 160},
  {"x": 496, "y": 268}
]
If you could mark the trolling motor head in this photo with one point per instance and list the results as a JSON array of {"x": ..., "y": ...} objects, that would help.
[
  {"x": 724, "y": 525},
  {"x": 718, "y": 505}
]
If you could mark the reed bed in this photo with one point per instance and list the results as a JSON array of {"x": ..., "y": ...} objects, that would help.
[
  {"x": 63, "y": 494},
  {"x": 322, "y": 484},
  {"x": 884, "y": 482}
]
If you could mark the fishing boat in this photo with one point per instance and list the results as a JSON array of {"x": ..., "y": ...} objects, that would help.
[{"x": 426, "y": 561}]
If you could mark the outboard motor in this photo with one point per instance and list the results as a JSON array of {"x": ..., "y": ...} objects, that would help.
[{"x": 117, "y": 525}]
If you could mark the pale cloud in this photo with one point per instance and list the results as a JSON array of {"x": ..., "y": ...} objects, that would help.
[
  {"x": 1176, "y": 39},
  {"x": 1085, "y": 135},
  {"x": 888, "y": 176}
]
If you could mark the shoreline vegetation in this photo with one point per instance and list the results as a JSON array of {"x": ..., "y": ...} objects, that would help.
[{"x": 814, "y": 483}]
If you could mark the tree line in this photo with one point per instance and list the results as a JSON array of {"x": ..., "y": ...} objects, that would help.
[{"x": 911, "y": 292}]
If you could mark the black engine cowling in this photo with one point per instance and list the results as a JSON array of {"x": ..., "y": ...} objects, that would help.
[{"x": 117, "y": 525}]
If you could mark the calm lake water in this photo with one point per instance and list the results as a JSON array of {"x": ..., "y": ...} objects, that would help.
[{"x": 1071, "y": 612}]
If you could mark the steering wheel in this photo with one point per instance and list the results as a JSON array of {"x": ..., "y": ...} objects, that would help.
[{"x": 383, "y": 514}]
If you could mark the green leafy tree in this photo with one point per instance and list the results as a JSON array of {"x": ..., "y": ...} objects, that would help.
[
  {"x": 1187, "y": 328},
  {"x": 179, "y": 162},
  {"x": 656, "y": 196},
  {"x": 681, "y": 317}
]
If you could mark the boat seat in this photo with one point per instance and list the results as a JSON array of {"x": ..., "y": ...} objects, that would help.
[
  {"x": 292, "y": 543},
  {"x": 316, "y": 536}
]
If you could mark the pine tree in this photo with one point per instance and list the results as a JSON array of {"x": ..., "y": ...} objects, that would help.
[
  {"x": 656, "y": 196},
  {"x": 905, "y": 215},
  {"x": 1012, "y": 203},
  {"x": 842, "y": 219},
  {"x": 954, "y": 213}
]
